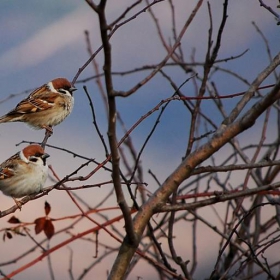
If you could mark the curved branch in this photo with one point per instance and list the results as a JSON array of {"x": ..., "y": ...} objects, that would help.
[{"x": 222, "y": 136}]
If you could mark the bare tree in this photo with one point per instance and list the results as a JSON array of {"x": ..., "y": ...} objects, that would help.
[{"x": 219, "y": 172}]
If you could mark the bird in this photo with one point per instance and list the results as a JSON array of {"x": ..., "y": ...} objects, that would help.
[
  {"x": 24, "y": 173},
  {"x": 45, "y": 107}
]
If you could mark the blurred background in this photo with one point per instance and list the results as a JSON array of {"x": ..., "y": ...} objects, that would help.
[{"x": 42, "y": 40}]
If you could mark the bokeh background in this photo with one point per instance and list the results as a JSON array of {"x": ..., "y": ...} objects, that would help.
[{"x": 42, "y": 40}]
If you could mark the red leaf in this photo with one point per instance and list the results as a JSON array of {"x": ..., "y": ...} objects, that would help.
[
  {"x": 14, "y": 220},
  {"x": 9, "y": 235},
  {"x": 39, "y": 224},
  {"x": 47, "y": 208},
  {"x": 49, "y": 229}
]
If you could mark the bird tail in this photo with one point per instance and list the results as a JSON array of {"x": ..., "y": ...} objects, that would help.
[{"x": 7, "y": 118}]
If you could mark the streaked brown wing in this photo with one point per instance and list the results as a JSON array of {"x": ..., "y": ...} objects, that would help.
[
  {"x": 37, "y": 92},
  {"x": 6, "y": 168},
  {"x": 39, "y": 101},
  {"x": 6, "y": 173}
]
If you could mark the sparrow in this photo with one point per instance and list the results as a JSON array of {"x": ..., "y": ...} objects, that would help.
[
  {"x": 24, "y": 173},
  {"x": 45, "y": 107}
]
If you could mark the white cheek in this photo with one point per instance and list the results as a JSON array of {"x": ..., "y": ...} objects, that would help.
[
  {"x": 40, "y": 175},
  {"x": 68, "y": 93}
]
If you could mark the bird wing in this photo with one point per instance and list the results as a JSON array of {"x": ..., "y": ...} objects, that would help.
[
  {"x": 39, "y": 100},
  {"x": 7, "y": 168},
  {"x": 6, "y": 173}
]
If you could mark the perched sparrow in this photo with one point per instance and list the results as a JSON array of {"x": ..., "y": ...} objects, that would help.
[
  {"x": 24, "y": 173},
  {"x": 45, "y": 107}
]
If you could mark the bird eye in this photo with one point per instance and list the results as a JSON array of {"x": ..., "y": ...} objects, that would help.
[
  {"x": 38, "y": 154},
  {"x": 61, "y": 90},
  {"x": 33, "y": 159}
]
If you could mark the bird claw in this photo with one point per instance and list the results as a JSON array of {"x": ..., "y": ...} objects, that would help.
[{"x": 48, "y": 129}]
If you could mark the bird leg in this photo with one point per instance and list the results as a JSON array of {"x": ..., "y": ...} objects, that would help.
[
  {"x": 48, "y": 129},
  {"x": 48, "y": 133}
]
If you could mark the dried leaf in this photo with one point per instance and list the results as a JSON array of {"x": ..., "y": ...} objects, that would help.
[
  {"x": 49, "y": 229},
  {"x": 39, "y": 224},
  {"x": 14, "y": 220},
  {"x": 47, "y": 208},
  {"x": 9, "y": 235}
]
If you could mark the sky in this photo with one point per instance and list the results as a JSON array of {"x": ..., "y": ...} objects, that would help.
[{"x": 42, "y": 40}]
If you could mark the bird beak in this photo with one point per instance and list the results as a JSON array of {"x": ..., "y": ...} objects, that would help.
[
  {"x": 72, "y": 89},
  {"x": 45, "y": 156}
]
